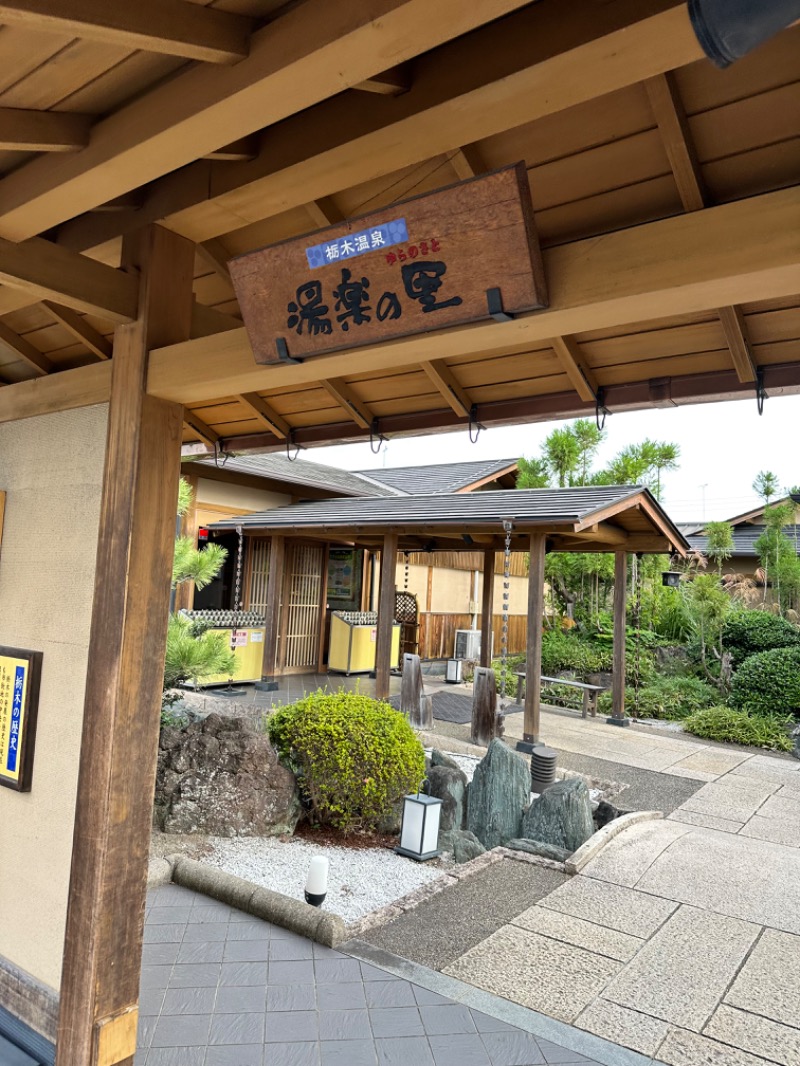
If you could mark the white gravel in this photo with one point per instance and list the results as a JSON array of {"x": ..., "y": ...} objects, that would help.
[{"x": 361, "y": 880}]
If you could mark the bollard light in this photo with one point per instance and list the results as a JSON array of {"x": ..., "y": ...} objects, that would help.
[
  {"x": 419, "y": 831},
  {"x": 671, "y": 579},
  {"x": 317, "y": 881}
]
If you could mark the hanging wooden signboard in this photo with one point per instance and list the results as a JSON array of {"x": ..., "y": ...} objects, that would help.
[
  {"x": 19, "y": 702},
  {"x": 462, "y": 254}
]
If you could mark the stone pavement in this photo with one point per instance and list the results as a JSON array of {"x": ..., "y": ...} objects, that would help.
[{"x": 221, "y": 988}]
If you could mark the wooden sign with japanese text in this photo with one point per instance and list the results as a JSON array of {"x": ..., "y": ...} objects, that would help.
[
  {"x": 417, "y": 266},
  {"x": 19, "y": 702}
]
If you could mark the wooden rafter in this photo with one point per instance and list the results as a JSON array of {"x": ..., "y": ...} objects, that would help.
[
  {"x": 206, "y": 434},
  {"x": 733, "y": 325},
  {"x": 42, "y": 131},
  {"x": 580, "y": 375},
  {"x": 448, "y": 385},
  {"x": 215, "y": 255},
  {"x": 392, "y": 82},
  {"x": 265, "y": 414},
  {"x": 129, "y": 201},
  {"x": 324, "y": 212},
  {"x": 207, "y": 321},
  {"x": 241, "y": 151},
  {"x": 312, "y": 52},
  {"x": 79, "y": 328},
  {"x": 22, "y": 348},
  {"x": 341, "y": 392},
  {"x": 467, "y": 161},
  {"x": 171, "y": 27},
  {"x": 49, "y": 272}
]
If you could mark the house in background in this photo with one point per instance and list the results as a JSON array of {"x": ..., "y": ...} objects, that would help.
[
  {"x": 747, "y": 528},
  {"x": 447, "y": 586}
]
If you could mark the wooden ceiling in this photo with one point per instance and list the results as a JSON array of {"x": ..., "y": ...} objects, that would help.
[{"x": 665, "y": 195}]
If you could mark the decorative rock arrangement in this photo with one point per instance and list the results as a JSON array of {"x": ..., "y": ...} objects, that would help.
[
  {"x": 450, "y": 786},
  {"x": 497, "y": 795},
  {"x": 538, "y": 847},
  {"x": 222, "y": 777},
  {"x": 562, "y": 815}
]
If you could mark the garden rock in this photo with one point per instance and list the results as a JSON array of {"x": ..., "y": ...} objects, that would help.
[
  {"x": 222, "y": 777},
  {"x": 438, "y": 758},
  {"x": 497, "y": 795},
  {"x": 538, "y": 847},
  {"x": 466, "y": 846},
  {"x": 449, "y": 786},
  {"x": 562, "y": 815},
  {"x": 604, "y": 813}
]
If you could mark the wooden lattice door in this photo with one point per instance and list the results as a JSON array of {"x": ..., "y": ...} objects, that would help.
[
  {"x": 406, "y": 612},
  {"x": 303, "y": 603}
]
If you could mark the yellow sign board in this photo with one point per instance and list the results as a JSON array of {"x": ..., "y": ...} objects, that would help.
[{"x": 19, "y": 697}]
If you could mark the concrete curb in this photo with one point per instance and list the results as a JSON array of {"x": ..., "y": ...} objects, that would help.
[
  {"x": 310, "y": 922},
  {"x": 159, "y": 872},
  {"x": 595, "y": 844}
]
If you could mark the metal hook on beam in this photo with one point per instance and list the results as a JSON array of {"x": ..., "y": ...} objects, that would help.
[
  {"x": 376, "y": 437},
  {"x": 761, "y": 392},
  {"x": 473, "y": 421},
  {"x": 601, "y": 412}
]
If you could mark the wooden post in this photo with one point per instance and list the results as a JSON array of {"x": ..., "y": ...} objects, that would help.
[
  {"x": 618, "y": 670},
  {"x": 487, "y": 607},
  {"x": 272, "y": 615},
  {"x": 533, "y": 655},
  {"x": 383, "y": 647},
  {"x": 486, "y": 724},
  {"x": 113, "y": 818},
  {"x": 413, "y": 701}
]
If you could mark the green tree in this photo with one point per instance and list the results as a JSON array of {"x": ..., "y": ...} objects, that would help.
[
  {"x": 561, "y": 453},
  {"x": 766, "y": 485},
  {"x": 708, "y": 607},
  {"x": 778, "y": 555},
  {"x": 589, "y": 437},
  {"x": 720, "y": 542},
  {"x": 533, "y": 474}
]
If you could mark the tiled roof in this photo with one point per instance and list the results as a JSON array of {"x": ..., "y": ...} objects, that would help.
[
  {"x": 301, "y": 472},
  {"x": 439, "y": 477},
  {"x": 744, "y": 539}
]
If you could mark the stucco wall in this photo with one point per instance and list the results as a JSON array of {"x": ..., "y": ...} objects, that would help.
[
  {"x": 238, "y": 497},
  {"x": 51, "y": 468}
]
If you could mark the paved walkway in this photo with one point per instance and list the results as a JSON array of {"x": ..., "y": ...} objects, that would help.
[{"x": 220, "y": 988}]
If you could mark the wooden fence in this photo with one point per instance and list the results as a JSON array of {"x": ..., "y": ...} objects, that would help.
[{"x": 437, "y": 633}]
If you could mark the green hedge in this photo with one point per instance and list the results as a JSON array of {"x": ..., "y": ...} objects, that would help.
[
  {"x": 739, "y": 727},
  {"x": 750, "y": 632},
  {"x": 354, "y": 756},
  {"x": 667, "y": 698},
  {"x": 769, "y": 682}
]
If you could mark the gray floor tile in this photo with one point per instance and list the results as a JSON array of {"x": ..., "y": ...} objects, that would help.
[
  {"x": 237, "y": 1029},
  {"x": 173, "y": 896},
  {"x": 205, "y": 932},
  {"x": 155, "y": 977},
  {"x": 235, "y": 1055},
  {"x": 168, "y": 915},
  {"x": 375, "y": 973},
  {"x": 290, "y": 950},
  {"x": 287, "y": 1027},
  {"x": 396, "y": 1021},
  {"x": 404, "y": 1051},
  {"x": 321, "y": 952},
  {"x": 291, "y": 997},
  {"x": 160, "y": 954},
  {"x": 181, "y": 1030},
  {"x": 199, "y": 952},
  {"x": 243, "y": 973},
  {"x": 291, "y": 973},
  {"x": 195, "y": 975},
  {"x": 145, "y": 1030},
  {"x": 176, "y": 1056},
  {"x": 328, "y": 970},
  {"x": 450, "y": 1018},
  {"x": 512, "y": 1049},
  {"x": 164, "y": 934},
  {"x": 426, "y": 998},
  {"x": 205, "y": 914},
  {"x": 345, "y": 1025},
  {"x": 246, "y": 951},
  {"x": 189, "y": 1001},
  {"x": 390, "y": 994},
  {"x": 347, "y": 996},
  {"x": 348, "y": 1053},
  {"x": 486, "y": 1024},
  {"x": 462, "y": 1049},
  {"x": 556, "y": 1055},
  {"x": 150, "y": 1000},
  {"x": 241, "y": 999},
  {"x": 291, "y": 1054},
  {"x": 252, "y": 930}
]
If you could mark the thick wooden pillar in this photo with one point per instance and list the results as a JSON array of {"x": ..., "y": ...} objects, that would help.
[
  {"x": 487, "y": 607},
  {"x": 105, "y": 914},
  {"x": 383, "y": 647},
  {"x": 533, "y": 656},
  {"x": 277, "y": 562},
  {"x": 618, "y": 669}
]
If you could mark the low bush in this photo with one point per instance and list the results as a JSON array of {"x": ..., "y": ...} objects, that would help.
[
  {"x": 354, "y": 756},
  {"x": 739, "y": 727},
  {"x": 750, "y": 632},
  {"x": 768, "y": 683},
  {"x": 667, "y": 698}
]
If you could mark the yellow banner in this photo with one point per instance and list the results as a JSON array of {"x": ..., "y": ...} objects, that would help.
[{"x": 13, "y": 692}]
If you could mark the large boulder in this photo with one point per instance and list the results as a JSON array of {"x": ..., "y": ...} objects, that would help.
[
  {"x": 222, "y": 777},
  {"x": 562, "y": 815},
  {"x": 497, "y": 796},
  {"x": 438, "y": 758},
  {"x": 538, "y": 847},
  {"x": 450, "y": 787},
  {"x": 466, "y": 846}
]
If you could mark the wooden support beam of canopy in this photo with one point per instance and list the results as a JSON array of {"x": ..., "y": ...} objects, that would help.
[
  {"x": 348, "y": 401},
  {"x": 42, "y": 131},
  {"x": 392, "y": 82},
  {"x": 467, "y": 161},
  {"x": 312, "y": 52},
  {"x": 171, "y": 27},
  {"x": 581, "y": 378},
  {"x": 533, "y": 653},
  {"x": 265, "y": 414},
  {"x": 447, "y": 384},
  {"x": 733, "y": 325},
  {"x": 47, "y": 271},
  {"x": 24, "y": 350},
  {"x": 240, "y": 151},
  {"x": 518, "y": 69},
  {"x": 214, "y": 254},
  {"x": 79, "y": 328},
  {"x": 736, "y": 252},
  {"x": 324, "y": 212},
  {"x": 205, "y": 433}
]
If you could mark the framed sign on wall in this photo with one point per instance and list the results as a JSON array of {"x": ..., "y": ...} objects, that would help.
[
  {"x": 20, "y": 673},
  {"x": 462, "y": 254}
]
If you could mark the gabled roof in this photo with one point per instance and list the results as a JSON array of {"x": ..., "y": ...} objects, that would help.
[
  {"x": 443, "y": 477},
  {"x": 590, "y": 518},
  {"x": 299, "y": 472},
  {"x": 757, "y": 512},
  {"x": 744, "y": 539}
]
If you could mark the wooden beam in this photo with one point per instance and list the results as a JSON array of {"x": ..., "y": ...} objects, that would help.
[
  {"x": 24, "y": 350},
  {"x": 113, "y": 819},
  {"x": 602, "y": 532},
  {"x": 533, "y": 651},
  {"x": 447, "y": 384},
  {"x": 206, "y": 434},
  {"x": 324, "y": 212},
  {"x": 42, "y": 131},
  {"x": 266, "y": 414},
  {"x": 47, "y": 271},
  {"x": 487, "y": 607},
  {"x": 272, "y": 614},
  {"x": 79, "y": 328},
  {"x": 673, "y": 126},
  {"x": 64, "y": 391},
  {"x": 581, "y": 377},
  {"x": 208, "y": 322},
  {"x": 467, "y": 161},
  {"x": 171, "y": 27},
  {"x": 241, "y": 151},
  {"x": 129, "y": 201},
  {"x": 341, "y": 392},
  {"x": 312, "y": 52},
  {"x": 733, "y": 325},
  {"x": 741, "y": 251},
  {"x": 386, "y": 608},
  {"x": 392, "y": 82},
  {"x": 214, "y": 254},
  {"x": 618, "y": 665}
]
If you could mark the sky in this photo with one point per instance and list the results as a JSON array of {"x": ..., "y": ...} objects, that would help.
[{"x": 723, "y": 446}]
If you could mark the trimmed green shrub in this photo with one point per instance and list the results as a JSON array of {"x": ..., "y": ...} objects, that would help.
[
  {"x": 354, "y": 756},
  {"x": 667, "y": 697},
  {"x": 739, "y": 727},
  {"x": 768, "y": 683},
  {"x": 750, "y": 632}
]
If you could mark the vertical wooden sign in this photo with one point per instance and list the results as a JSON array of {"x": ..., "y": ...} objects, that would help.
[{"x": 20, "y": 672}]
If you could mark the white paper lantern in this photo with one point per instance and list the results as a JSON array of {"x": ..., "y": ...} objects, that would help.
[{"x": 419, "y": 833}]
